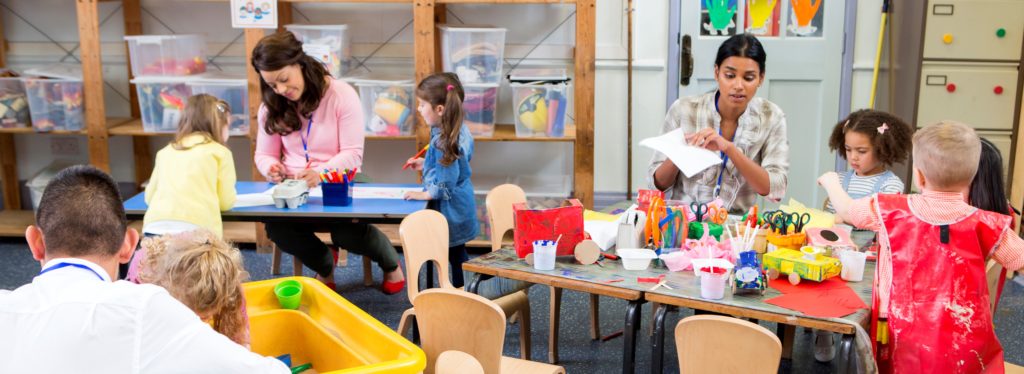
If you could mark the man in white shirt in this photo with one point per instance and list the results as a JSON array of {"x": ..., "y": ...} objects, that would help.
[{"x": 72, "y": 318}]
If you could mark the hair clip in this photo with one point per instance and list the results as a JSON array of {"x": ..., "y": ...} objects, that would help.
[
  {"x": 845, "y": 124},
  {"x": 882, "y": 128},
  {"x": 450, "y": 87},
  {"x": 222, "y": 108}
]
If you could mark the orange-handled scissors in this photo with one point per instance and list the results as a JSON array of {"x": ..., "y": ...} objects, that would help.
[{"x": 717, "y": 215}]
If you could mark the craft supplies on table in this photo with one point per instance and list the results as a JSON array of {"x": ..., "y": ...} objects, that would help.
[
  {"x": 545, "y": 224},
  {"x": 788, "y": 261}
]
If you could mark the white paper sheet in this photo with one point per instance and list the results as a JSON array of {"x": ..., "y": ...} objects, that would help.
[
  {"x": 253, "y": 199},
  {"x": 602, "y": 232},
  {"x": 362, "y": 192},
  {"x": 689, "y": 159}
]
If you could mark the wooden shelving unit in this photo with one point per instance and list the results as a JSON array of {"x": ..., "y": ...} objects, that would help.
[{"x": 426, "y": 14}]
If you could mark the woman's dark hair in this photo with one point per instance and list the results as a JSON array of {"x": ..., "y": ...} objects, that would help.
[
  {"x": 275, "y": 52},
  {"x": 445, "y": 89},
  {"x": 742, "y": 45},
  {"x": 987, "y": 189},
  {"x": 892, "y": 145}
]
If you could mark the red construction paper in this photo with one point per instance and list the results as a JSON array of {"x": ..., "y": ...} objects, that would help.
[
  {"x": 782, "y": 285},
  {"x": 831, "y": 298}
]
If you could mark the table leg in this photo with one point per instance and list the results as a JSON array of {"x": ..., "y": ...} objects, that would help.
[
  {"x": 846, "y": 354},
  {"x": 553, "y": 321},
  {"x": 658, "y": 340},
  {"x": 629, "y": 343},
  {"x": 786, "y": 334},
  {"x": 474, "y": 283}
]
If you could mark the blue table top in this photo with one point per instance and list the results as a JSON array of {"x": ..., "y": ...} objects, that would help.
[{"x": 378, "y": 209}]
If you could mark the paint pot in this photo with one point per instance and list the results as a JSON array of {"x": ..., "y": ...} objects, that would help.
[
  {"x": 544, "y": 252},
  {"x": 853, "y": 265},
  {"x": 712, "y": 282}
]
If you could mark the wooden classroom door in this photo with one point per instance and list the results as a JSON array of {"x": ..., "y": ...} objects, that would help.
[{"x": 803, "y": 40}]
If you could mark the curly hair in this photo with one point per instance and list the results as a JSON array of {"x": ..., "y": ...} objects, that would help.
[
  {"x": 891, "y": 147},
  {"x": 204, "y": 273}
]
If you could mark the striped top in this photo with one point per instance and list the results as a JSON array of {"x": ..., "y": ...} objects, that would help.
[
  {"x": 939, "y": 207},
  {"x": 857, "y": 186}
]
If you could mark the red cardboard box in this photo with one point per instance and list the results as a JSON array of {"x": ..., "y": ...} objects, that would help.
[{"x": 548, "y": 224}]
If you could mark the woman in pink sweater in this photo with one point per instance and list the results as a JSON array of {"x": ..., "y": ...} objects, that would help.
[{"x": 310, "y": 121}]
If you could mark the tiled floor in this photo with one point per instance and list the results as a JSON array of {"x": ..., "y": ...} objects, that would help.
[{"x": 578, "y": 353}]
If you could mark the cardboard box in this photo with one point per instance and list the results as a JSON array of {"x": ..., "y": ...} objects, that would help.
[
  {"x": 548, "y": 224},
  {"x": 788, "y": 261}
]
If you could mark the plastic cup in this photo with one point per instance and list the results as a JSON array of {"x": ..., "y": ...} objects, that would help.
[
  {"x": 544, "y": 252},
  {"x": 853, "y": 265},
  {"x": 712, "y": 286},
  {"x": 289, "y": 294}
]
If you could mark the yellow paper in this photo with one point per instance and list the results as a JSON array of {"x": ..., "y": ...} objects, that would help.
[
  {"x": 819, "y": 218},
  {"x": 590, "y": 215}
]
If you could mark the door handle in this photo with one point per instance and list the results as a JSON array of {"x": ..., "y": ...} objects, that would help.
[{"x": 686, "y": 61}]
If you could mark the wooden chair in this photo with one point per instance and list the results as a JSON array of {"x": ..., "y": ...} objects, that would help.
[
  {"x": 424, "y": 236},
  {"x": 456, "y": 362},
  {"x": 452, "y": 319},
  {"x": 275, "y": 261},
  {"x": 994, "y": 276},
  {"x": 500, "y": 216},
  {"x": 718, "y": 344}
]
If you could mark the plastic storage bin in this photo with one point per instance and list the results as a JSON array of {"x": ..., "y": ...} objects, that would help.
[
  {"x": 326, "y": 330},
  {"x": 389, "y": 106},
  {"x": 167, "y": 55},
  {"x": 37, "y": 184},
  {"x": 232, "y": 89},
  {"x": 13, "y": 101},
  {"x": 55, "y": 103},
  {"x": 161, "y": 101},
  {"x": 540, "y": 101},
  {"x": 327, "y": 43},
  {"x": 475, "y": 54},
  {"x": 480, "y": 107}
]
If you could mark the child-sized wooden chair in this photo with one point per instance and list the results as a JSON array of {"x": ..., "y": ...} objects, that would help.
[
  {"x": 502, "y": 221},
  {"x": 718, "y": 344},
  {"x": 452, "y": 319},
  {"x": 342, "y": 260},
  {"x": 457, "y": 362},
  {"x": 424, "y": 236}
]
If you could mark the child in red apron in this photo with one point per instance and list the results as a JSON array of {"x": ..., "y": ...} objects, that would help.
[{"x": 930, "y": 311}]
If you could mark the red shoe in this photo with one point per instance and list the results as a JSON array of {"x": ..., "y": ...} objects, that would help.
[{"x": 391, "y": 288}]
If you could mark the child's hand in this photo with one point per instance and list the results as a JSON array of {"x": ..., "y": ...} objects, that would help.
[
  {"x": 276, "y": 173},
  {"x": 829, "y": 179},
  {"x": 311, "y": 177},
  {"x": 417, "y": 195},
  {"x": 415, "y": 163}
]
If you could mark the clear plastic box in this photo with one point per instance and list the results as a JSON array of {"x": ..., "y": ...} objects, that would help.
[
  {"x": 162, "y": 101},
  {"x": 55, "y": 103},
  {"x": 232, "y": 89},
  {"x": 13, "y": 101},
  {"x": 481, "y": 108},
  {"x": 167, "y": 55},
  {"x": 389, "y": 106},
  {"x": 328, "y": 44},
  {"x": 540, "y": 108},
  {"x": 475, "y": 54}
]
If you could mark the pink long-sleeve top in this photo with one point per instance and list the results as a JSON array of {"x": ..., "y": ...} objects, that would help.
[{"x": 335, "y": 139}]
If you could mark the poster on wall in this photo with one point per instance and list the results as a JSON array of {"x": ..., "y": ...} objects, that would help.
[
  {"x": 806, "y": 18},
  {"x": 718, "y": 17},
  {"x": 259, "y": 14},
  {"x": 762, "y": 17}
]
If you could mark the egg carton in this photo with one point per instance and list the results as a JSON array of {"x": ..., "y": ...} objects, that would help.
[{"x": 291, "y": 193}]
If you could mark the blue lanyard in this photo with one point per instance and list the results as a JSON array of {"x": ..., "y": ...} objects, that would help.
[
  {"x": 725, "y": 158},
  {"x": 305, "y": 147},
  {"x": 66, "y": 264}
]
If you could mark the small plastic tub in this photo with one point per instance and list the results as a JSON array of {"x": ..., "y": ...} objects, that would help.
[{"x": 636, "y": 258}]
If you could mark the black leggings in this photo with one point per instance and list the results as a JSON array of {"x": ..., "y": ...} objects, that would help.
[{"x": 456, "y": 256}]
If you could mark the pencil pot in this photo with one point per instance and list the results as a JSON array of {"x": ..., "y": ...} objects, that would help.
[
  {"x": 792, "y": 241},
  {"x": 337, "y": 194},
  {"x": 760, "y": 240}
]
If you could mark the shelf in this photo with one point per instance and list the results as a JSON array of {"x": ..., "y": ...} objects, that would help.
[
  {"x": 14, "y": 222},
  {"x": 507, "y": 133},
  {"x": 31, "y": 130},
  {"x": 506, "y": 1}
]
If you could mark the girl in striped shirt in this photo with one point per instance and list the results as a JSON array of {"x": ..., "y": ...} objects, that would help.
[{"x": 871, "y": 141}]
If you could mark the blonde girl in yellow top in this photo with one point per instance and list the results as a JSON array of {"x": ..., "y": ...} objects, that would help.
[{"x": 194, "y": 177}]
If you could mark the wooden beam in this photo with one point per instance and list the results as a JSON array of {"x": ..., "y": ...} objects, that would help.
[
  {"x": 9, "y": 173},
  {"x": 583, "y": 175},
  {"x": 143, "y": 159},
  {"x": 3, "y": 44},
  {"x": 92, "y": 77},
  {"x": 1017, "y": 174},
  {"x": 252, "y": 37},
  {"x": 284, "y": 15},
  {"x": 132, "y": 11},
  {"x": 425, "y": 45}
]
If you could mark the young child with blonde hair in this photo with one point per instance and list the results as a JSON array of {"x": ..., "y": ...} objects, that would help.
[
  {"x": 204, "y": 273},
  {"x": 930, "y": 309}
]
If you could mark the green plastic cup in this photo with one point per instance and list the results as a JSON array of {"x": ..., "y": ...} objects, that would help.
[{"x": 289, "y": 293}]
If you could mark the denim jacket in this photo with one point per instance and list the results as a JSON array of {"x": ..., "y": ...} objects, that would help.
[{"x": 450, "y": 188}]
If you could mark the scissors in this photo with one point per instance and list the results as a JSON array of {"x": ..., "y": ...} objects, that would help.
[
  {"x": 717, "y": 215},
  {"x": 798, "y": 220},
  {"x": 781, "y": 221},
  {"x": 699, "y": 209}
]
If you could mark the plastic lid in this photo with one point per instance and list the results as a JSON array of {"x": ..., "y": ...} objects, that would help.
[
  {"x": 61, "y": 71},
  {"x": 158, "y": 79},
  {"x": 480, "y": 85},
  {"x": 220, "y": 77},
  {"x": 379, "y": 79},
  {"x": 148, "y": 39},
  {"x": 315, "y": 27},
  {"x": 475, "y": 28},
  {"x": 538, "y": 75}
]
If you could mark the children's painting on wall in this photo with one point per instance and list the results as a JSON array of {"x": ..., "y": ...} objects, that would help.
[
  {"x": 718, "y": 17},
  {"x": 806, "y": 18},
  {"x": 260, "y": 14},
  {"x": 762, "y": 17}
]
